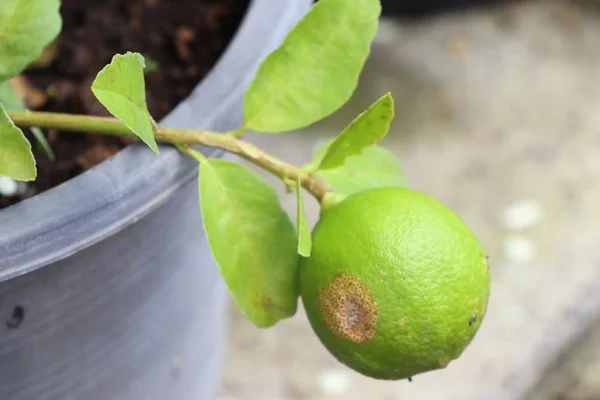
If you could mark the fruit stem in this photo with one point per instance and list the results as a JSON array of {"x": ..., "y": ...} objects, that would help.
[{"x": 330, "y": 200}]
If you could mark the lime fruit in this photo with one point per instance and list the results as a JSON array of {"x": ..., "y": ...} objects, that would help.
[{"x": 396, "y": 284}]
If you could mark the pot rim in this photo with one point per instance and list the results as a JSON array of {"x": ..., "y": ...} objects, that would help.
[{"x": 124, "y": 188}]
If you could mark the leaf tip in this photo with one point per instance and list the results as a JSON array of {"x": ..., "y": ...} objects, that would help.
[
  {"x": 154, "y": 147},
  {"x": 304, "y": 252}
]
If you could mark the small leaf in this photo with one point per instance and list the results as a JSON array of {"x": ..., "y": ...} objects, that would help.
[
  {"x": 316, "y": 68},
  {"x": 43, "y": 144},
  {"x": 26, "y": 28},
  {"x": 252, "y": 240},
  {"x": 121, "y": 89},
  {"x": 304, "y": 236},
  {"x": 11, "y": 101},
  {"x": 374, "y": 167},
  {"x": 366, "y": 130},
  {"x": 9, "y": 98},
  {"x": 16, "y": 159}
]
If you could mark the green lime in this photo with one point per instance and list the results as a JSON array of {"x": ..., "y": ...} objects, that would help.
[{"x": 396, "y": 284}]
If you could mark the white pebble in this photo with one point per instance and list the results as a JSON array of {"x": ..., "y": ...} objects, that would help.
[
  {"x": 8, "y": 186},
  {"x": 519, "y": 249},
  {"x": 522, "y": 215},
  {"x": 334, "y": 382}
]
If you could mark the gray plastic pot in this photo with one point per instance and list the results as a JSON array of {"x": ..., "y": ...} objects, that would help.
[{"x": 108, "y": 289}]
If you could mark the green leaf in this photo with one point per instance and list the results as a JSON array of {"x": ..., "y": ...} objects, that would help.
[
  {"x": 43, "y": 144},
  {"x": 121, "y": 89},
  {"x": 9, "y": 98},
  {"x": 366, "y": 130},
  {"x": 26, "y": 28},
  {"x": 316, "y": 68},
  {"x": 252, "y": 240},
  {"x": 304, "y": 236},
  {"x": 16, "y": 159},
  {"x": 374, "y": 167},
  {"x": 11, "y": 101}
]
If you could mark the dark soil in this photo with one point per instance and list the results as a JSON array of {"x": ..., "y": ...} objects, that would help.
[
  {"x": 427, "y": 8},
  {"x": 180, "y": 39}
]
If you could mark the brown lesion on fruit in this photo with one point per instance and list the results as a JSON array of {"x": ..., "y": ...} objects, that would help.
[
  {"x": 348, "y": 308},
  {"x": 473, "y": 319}
]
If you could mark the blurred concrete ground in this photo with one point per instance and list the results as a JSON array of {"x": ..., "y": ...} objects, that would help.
[{"x": 498, "y": 115}]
